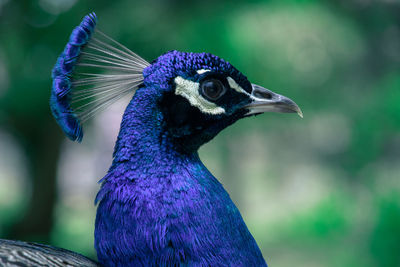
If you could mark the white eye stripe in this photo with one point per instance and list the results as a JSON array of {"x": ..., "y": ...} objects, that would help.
[
  {"x": 190, "y": 90},
  {"x": 239, "y": 89},
  {"x": 202, "y": 71},
  {"x": 236, "y": 86}
]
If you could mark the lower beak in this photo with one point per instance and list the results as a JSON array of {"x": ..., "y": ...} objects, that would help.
[{"x": 264, "y": 100}]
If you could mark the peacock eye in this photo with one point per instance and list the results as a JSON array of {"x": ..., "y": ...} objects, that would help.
[{"x": 212, "y": 89}]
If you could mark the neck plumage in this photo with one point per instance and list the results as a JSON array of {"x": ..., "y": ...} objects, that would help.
[
  {"x": 146, "y": 167},
  {"x": 160, "y": 207}
]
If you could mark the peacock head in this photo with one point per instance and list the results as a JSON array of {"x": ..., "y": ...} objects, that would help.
[
  {"x": 202, "y": 94},
  {"x": 198, "y": 94}
]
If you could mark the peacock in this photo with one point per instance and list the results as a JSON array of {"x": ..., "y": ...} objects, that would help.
[{"x": 158, "y": 205}]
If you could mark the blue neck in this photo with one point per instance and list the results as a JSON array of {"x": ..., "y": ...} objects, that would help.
[{"x": 160, "y": 207}]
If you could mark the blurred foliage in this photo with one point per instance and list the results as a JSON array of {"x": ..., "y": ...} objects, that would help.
[{"x": 322, "y": 191}]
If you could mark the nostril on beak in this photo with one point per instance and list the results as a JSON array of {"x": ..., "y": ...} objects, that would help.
[{"x": 261, "y": 94}]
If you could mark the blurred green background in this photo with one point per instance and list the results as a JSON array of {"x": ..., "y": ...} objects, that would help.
[{"x": 318, "y": 191}]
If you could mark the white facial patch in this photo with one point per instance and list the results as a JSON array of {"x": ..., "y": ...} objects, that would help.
[
  {"x": 236, "y": 86},
  {"x": 239, "y": 89},
  {"x": 190, "y": 90},
  {"x": 202, "y": 71}
]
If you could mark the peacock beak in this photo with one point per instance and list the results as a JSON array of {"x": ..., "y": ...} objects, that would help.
[{"x": 264, "y": 100}]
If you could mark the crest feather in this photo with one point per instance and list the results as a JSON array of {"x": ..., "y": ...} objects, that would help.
[{"x": 91, "y": 73}]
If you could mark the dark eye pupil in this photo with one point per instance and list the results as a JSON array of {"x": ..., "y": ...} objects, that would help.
[{"x": 212, "y": 89}]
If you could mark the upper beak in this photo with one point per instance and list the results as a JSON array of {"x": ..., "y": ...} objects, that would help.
[{"x": 264, "y": 100}]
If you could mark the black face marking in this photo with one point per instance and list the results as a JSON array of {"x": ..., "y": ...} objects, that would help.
[
  {"x": 187, "y": 126},
  {"x": 181, "y": 118},
  {"x": 199, "y": 107}
]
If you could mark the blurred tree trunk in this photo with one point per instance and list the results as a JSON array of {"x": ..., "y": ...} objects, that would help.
[{"x": 41, "y": 141}]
